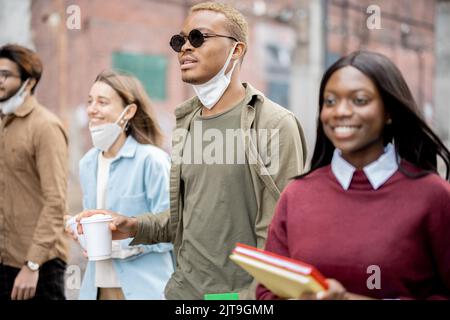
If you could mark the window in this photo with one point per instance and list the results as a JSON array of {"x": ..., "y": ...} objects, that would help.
[
  {"x": 278, "y": 65},
  {"x": 149, "y": 69}
]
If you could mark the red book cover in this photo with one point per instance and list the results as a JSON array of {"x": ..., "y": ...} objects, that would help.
[{"x": 281, "y": 262}]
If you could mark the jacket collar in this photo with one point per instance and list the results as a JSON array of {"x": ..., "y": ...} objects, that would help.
[
  {"x": 128, "y": 150},
  {"x": 377, "y": 172},
  {"x": 194, "y": 103},
  {"x": 26, "y": 107}
]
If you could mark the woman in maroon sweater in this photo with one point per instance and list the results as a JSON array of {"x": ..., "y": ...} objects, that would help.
[{"x": 372, "y": 214}]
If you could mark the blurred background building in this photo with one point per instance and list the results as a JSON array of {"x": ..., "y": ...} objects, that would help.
[{"x": 291, "y": 44}]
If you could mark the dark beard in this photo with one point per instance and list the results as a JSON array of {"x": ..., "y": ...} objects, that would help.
[
  {"x": 10, "y": 95},
  {"x": 189, "y": 80}
]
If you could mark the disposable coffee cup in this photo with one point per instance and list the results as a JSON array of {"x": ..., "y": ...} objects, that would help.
[
  {"x": 98, "y": 236},
  {"x": 72, "y": 223}
]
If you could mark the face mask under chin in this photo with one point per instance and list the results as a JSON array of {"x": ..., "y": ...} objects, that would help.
[
  {"x": 12, "y": 103},
  {"x": 105, "y": 135},
  {"x": 210, "y": 92}
]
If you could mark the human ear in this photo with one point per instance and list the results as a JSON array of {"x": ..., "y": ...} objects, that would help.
[
  {"x": 239, "y": 51},
  {"x": 132, "y": 109},
  {"x": 30, "y": 84}
]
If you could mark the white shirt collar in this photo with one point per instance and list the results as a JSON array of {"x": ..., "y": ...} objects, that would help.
[{"x": 377, "y": 172}]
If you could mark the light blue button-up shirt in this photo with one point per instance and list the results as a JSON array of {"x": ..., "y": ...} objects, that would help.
[
  {"x": 138, "y": 183},
  {"x": 377, "y": 172}
]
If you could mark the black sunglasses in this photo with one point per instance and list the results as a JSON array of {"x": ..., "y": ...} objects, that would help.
[{"x": 195, "y": 37}]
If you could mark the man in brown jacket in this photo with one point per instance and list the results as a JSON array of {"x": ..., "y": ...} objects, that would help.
[
  {"x": 33, "y": 179},
  {"x": 233, "y": 152}
]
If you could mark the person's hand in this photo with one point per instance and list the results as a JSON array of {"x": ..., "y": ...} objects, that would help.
[
  {"x": 25, "y": 284},
  {"x": 336, "y": 291},
  {"x": 68, "y": 230},
  {"x": 122, "y": 227}
]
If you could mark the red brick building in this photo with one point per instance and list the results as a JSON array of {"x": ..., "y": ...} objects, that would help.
[
  {"x": 406, "y": 36},
  {"x": 134, "y": 35}
]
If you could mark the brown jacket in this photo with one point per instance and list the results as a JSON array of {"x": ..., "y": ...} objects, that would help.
[
  {"x": 33, "y": 184},
  {"x": 263, "y": 114}
]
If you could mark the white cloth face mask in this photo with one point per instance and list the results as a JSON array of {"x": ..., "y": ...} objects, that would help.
[
  {"x": 104, "y": 135},
  {"x": 211, "y": 91},
  {"x": 13, "y": 103}
]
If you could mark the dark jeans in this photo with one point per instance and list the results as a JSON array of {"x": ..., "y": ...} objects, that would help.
[{"x": 50, "y": 284}]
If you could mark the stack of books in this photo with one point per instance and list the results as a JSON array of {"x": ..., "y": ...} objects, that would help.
[{"x": 285, "y": 277}]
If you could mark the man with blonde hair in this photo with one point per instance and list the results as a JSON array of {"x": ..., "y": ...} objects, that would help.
[{"x": 217, "y": 203}]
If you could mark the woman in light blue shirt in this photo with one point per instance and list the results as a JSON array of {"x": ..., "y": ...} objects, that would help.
[{"x": 126, "y": 172}]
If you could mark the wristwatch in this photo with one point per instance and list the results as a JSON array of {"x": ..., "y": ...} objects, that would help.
[{"x": 32, "y": 266}]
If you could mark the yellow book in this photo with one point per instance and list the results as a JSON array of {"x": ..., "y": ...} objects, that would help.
[{"x": 287, "y": 278}]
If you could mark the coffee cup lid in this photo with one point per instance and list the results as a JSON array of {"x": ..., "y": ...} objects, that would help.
[{"x": 96, "y": 218}]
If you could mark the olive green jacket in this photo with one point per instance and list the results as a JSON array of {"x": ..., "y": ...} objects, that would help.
[{"x": 268, "y": 182}]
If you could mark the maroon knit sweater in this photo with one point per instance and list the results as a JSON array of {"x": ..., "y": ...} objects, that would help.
[{"x": 403, "y": 228}]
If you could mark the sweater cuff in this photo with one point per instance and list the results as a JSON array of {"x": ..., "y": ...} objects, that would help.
[
  {"x": 143, "y": 231},
  {"x": 37, "y": 254}
]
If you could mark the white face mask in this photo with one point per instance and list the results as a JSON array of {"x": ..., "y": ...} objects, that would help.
[
  {"x": 210, "y": 92},
  {"x": 104, "y": 135},
  {"x": 13, "y": 103}
]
